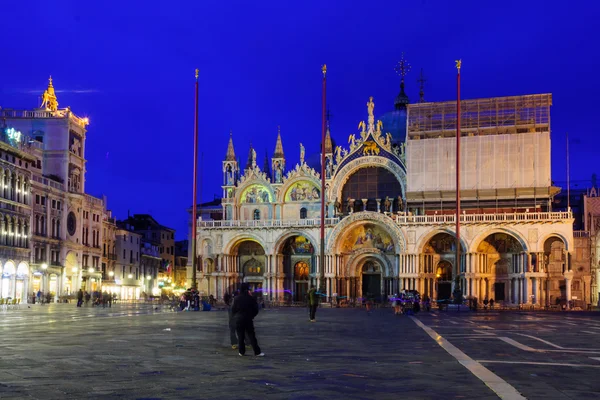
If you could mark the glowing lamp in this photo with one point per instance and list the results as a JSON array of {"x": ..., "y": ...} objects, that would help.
[
  {"x": 111, "y": 273},
  {"x": 130, "y": 276},
  {"x": 74, "y": 269},
  {"x": 91, "y": 270},
  {"x": 44, "y": 266}
]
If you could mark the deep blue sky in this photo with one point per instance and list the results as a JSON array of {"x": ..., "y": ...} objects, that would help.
[{"x": 129, "y": 67}]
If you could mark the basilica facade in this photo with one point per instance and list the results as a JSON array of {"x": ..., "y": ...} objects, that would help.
[{"x": 390, "y": 211}]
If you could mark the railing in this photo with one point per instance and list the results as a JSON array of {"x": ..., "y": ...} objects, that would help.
[
  {"x": 94, "y": 200},
  {"x": 400, "y": 220},
  {"x": 483, "y": 218},
  {"x": 581, "y": 234},
  {"x": 265, "y": 223},
  {"x": 48, "y": 182},
  {"x": 43, "y": 114}
]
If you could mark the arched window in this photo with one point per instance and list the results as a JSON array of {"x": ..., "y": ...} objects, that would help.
[
  {"x": 303, "y": 213},
  {"x": 256, "y": 215},
  {"x": 301, "y": 271}
]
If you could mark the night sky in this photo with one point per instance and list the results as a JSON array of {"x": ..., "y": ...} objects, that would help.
[{"x": 129, "y": 67}]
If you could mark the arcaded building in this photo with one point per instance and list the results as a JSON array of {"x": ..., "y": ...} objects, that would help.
[{"x": 390, "y": 204}]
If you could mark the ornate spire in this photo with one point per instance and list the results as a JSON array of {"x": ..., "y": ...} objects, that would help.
[
  {"x": 230, "y": 152},
  {"x": 421, "y": 82},
  {"x": 49, "y": 101},
  {"x": 266, "y": 166},
  {"x": 328, "y": 144},
  {"x": 402, "y": 68},
  {"x": 278, "y": 146}
]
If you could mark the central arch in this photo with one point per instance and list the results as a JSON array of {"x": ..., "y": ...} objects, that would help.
[{"x": 344, "y": 174}]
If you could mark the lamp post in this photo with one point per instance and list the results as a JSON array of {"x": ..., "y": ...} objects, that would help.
[
  {"x": 194, "y": 187},
  {"x": 45, "y": 276}
]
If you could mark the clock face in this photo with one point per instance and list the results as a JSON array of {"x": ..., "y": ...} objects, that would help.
[{"x": 71, "y": 223}]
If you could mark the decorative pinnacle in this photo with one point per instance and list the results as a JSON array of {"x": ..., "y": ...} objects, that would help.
[
  {"x": 50, "y": 81},
  {"x": 458, "y": 65},
  {"x": 324, "y": 70},
  {"x": 403, "y": 67},
  {"x": 197, "y": 70}
]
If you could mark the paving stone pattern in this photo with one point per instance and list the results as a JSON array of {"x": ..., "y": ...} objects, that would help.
[{"x": 139, "y": 352}]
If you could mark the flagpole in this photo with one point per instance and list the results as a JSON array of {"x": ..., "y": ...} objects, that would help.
[
  {"x": 457, "y": 261},
  {"x": 568, "y": 178},
  {"x": 322, "y": 258},
  {"x": 194, "y": 190}
]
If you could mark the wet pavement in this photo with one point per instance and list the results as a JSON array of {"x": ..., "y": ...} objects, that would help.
[{"x": 143, "y": 352}]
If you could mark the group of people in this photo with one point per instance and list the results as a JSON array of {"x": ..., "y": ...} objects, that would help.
[
  {"x": 42, "y": 297},
  {"x": 409, "y": 302},
  {"x": 99, "y": 298}
]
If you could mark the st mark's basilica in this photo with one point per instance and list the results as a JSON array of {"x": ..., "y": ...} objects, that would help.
[{"x": 390, "y": 211}]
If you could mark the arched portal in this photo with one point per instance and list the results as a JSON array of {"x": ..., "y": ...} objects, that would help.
[
  {"x": 371, "y": 280},
  {"x": 555, "y": 263},
  {"x": 375, "y": 185},
  {"x": 438, "y": 262},
  {"x": 503, "y": 255},
  {"x": 299, "y": 266},
  {"x": 251, "y": 261}
]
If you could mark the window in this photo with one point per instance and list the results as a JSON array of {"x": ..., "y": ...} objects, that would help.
[
  {"x": 53, "y": 204},
  {"x": 124, "y": 237},
  {"x": 303, "y": 213},
  {"x": 37, "y": 199},
  {"x": 58, "y": 205},
  {"x": 123, "y": 254},
  {"x": 256, "y": 215},
  {"x": 43, "y": 200}
]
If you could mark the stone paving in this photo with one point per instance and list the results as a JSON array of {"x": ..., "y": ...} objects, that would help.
[{"x": 143, "y": 352}]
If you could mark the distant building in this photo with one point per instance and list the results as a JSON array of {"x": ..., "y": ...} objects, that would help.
[
  {"x": 154, "y": 232},
  {"x": 128, "y": 277},
  {"x": 181, "y": 261}
]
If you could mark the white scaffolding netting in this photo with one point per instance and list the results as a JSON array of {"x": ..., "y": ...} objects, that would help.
[{"x": 487, "y": 162}]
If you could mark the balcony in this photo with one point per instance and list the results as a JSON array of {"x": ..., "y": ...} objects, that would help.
[
  {"x": 512, "y": 218},
  {"x": 48, "y": 182},
  {"x": 94, "y": 201}
]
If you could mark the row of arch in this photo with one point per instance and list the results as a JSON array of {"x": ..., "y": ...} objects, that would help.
[
  {"x": 332, "y": 245},
  {"x": 391, "y": 173},
  {"x": 14, "y": 231},
  {"x": 15, "y": 186}
]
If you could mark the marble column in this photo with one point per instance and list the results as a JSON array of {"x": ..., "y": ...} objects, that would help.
[{"x": 568, "y": 282}]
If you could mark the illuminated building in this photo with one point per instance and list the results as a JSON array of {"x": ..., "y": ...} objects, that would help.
[
  {"x": 390, "y": 211},
  {"x": 58, "y": 224}
]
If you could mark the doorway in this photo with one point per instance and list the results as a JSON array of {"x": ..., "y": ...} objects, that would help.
[
  {"x": 301, "y": 290},
  {"x": 499, "y": 291},
  {"x": 444, "y": 290}
]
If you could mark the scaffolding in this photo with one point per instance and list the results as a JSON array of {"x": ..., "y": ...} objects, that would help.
[{"x": 491, "y": 116}]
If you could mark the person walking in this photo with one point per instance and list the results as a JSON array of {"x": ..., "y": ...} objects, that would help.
[
  {"x": 244, "y": 309},
  {"x": 313, "y": 303},
  {"x": 79, "y": 298},
  {"x": 231, "y": 322}
]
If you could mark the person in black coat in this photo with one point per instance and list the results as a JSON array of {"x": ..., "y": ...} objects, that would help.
[{"x": 243, "y": 311}]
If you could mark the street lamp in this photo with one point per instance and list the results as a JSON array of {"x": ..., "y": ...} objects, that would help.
[
  {"x": 74, "y": 269},
  {"x": 149, "y": 277},
  {"x": 44, "y": 266},
  {"x": 91, "y": 270},
  {"x": 130, "y": 276},
  {"x": 111, "y": 274}
]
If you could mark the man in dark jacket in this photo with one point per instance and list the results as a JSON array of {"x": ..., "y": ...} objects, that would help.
[
  {"x": 79, "y": 298},
  {"x": 244, "y": 309}
]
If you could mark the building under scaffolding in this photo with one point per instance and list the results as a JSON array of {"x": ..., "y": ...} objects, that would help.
[{"x": 505, "y": 150}]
